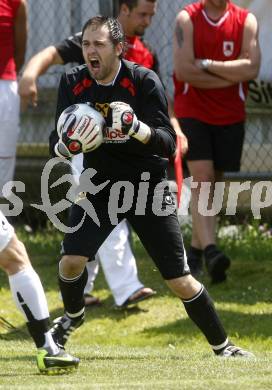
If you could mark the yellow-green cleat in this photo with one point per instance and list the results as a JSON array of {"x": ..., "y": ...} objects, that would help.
[{"x": 61, "y": 363}]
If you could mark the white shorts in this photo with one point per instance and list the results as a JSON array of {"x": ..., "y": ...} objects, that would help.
[
  {"x": 9, "y": 129},
  {"x": 6, "y": 232}
]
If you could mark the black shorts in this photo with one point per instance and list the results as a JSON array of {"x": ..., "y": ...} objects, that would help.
[
  {"x": 221, "y": 144},
  {"x": 160, "y": 235}
]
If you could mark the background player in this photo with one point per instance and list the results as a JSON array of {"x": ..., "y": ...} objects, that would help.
[
  {"x": 216, "y": 51},
  {"x": 13, "y": 33},
  {"x": 30, "y": 299}
]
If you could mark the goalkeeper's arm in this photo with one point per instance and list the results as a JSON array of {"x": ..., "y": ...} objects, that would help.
[
  {"x": 160, "y": 139},
  {"x": 152, "y": 127}
]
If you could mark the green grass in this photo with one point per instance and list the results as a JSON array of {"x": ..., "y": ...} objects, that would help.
[{"x": 153, "y": 345}]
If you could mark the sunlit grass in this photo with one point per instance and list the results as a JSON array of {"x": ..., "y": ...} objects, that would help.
[{"x": 154, "y": 345}]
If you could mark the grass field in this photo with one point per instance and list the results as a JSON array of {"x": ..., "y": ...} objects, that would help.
[{"x": 154, "y": 345}]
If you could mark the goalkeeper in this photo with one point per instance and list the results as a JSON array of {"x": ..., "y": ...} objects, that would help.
[
  {"x": 115, "y": 255},
  {"x": 135, "y": 108}
]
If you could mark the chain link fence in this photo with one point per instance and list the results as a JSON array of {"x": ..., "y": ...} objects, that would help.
[{"x": 51, "y": 21}]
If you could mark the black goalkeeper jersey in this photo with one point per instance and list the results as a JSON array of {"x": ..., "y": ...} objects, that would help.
[
  {"x": 121, "y": 157},
  {"x": 70, "y": 49}
]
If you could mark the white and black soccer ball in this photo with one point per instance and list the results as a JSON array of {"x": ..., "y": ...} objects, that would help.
[{"x": 81, "y": 128}]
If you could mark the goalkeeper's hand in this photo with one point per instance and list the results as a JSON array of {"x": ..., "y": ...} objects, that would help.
[
  {"x": 61, "y": 150},
  {"x": 124, "y": 119},
  {"x": 87, "y": 133},
  {"x": 86, "y": 136}
]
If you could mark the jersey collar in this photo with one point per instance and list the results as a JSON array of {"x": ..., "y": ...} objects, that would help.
[
  {"x": 217, "y": 22},
  {"x": 111, "y": 83}
]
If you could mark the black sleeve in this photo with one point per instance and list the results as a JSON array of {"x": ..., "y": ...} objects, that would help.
[
  {"x": 70, "y": 49},
  {"x": 65, "y": 99},
  {"x": 154, "y": 112}
]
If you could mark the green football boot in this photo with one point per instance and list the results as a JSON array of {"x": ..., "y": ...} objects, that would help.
[{"x": 58, "y": 364}]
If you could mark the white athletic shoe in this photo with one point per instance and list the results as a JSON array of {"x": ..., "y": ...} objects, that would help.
[{"x": 233, "y": 351}]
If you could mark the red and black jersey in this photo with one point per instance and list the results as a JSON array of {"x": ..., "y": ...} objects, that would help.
[
  {"x": 121, "y": 157},
  {"x": 140, "y": 52},
  {"x": 8, "y": 11},
  {"x": 219, "y": 40},
  {"x": 137, "y": 51}
]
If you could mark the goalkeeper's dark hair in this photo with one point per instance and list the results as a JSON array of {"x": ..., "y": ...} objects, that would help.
[
  {"x": 132, "y": 3},
  {"x": 115, "y": 29}
]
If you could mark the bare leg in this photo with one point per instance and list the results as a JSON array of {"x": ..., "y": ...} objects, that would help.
[
  {"x": 204, "y": 227},
  {"x": 30, "y": 299}
]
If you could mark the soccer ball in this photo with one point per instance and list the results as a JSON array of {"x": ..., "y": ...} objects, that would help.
[{"x": 81, "y": 128}]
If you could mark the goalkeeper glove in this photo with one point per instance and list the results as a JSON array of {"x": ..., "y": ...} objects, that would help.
[
  {"x": 86, "y": 136},
  {"x": 87, "y": 133},
  {"x": 61, "y": 150},
  {"x": 125, "y": 120}
]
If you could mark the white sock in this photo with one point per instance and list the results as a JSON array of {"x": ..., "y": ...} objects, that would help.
[
  {"x": 50, "y": 344},
  {"x": 27, "y": 290}
]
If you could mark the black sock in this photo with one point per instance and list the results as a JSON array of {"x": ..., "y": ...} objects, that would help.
[
  {"x": 218, "y": 349},
  {"x": 72, "y": 291},
  {"x": 194, "y": 252},
  {"x": 210, "y": 251},
  {"x": 37, "y": 329},
  {"x": 202, "y": 312}
]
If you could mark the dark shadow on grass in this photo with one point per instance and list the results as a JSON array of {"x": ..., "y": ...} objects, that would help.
[
  {"x": 130, "y": 357},
  {"x": 237, "y": 324},
  {"x": 15, "y": 335},
  {"x": 106, "y": 310},
  {"x": 17, "y": 359},
  {"x": 248, "y": 283},
  {"x": 18, "y": 374}
]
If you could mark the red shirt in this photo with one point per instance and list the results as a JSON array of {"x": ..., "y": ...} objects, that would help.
[
  {"x": 8, "y": 10},
  {"x": 221, "y": 41},
  {"x": 138, "y": 52}
]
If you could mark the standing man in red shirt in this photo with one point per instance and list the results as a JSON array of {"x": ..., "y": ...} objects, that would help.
[
  {"x": 216, "y": 52},
  {"x": 13, "y": 33}
]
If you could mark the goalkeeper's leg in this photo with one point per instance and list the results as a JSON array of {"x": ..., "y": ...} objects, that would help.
[
  {"x": 162, "y": 239},
  {"x": 73, "y": 277},
  {"x": 78, "y": 247}
]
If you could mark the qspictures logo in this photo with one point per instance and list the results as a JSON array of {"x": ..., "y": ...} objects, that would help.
[{"x": 123, "y": 194}]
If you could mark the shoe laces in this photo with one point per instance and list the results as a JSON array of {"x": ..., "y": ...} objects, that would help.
[
  {"x": 64, "y": 326},
  {"x": 233, "y": 350},
  {"x": 64, "y": 321}
]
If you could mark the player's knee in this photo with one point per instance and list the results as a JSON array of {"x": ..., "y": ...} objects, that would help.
[
  {"x": 184, "y": 287},
  {"x": 71, "y": 266},
  {"x": 203, "y": 177},
  {"x": 14, "y": 258}
]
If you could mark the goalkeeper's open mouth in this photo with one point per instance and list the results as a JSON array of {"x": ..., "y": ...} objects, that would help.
[{"x": 94, "y": 65}]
